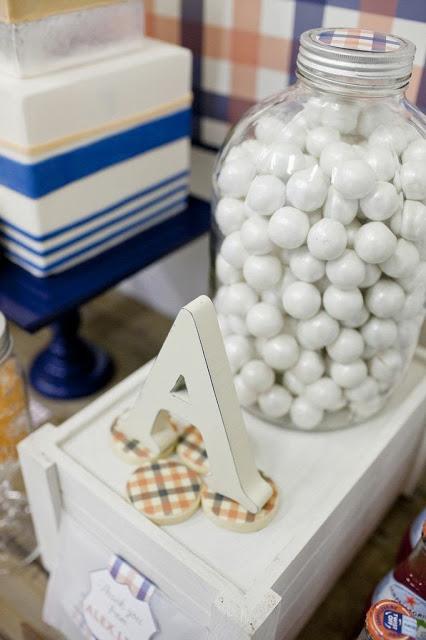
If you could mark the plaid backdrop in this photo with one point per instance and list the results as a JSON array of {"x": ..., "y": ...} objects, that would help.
[{"x": 245, "y": 50}]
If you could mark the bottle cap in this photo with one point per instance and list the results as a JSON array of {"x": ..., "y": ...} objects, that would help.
[
  {"x": 5, "y": 339},
  {"x": 338, "y": 58},
  {"x": 389, "y": 620}
]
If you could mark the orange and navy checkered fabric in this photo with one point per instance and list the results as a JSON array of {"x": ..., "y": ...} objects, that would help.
[
  {"x": 231, "y": 511},
  {"x": 163, "y": 488},
  {"x": 191, "y": 448},
  {"x": 245, "y": 50}
]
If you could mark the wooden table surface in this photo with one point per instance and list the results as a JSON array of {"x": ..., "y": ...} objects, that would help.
[{"x": 133, "y": 334}]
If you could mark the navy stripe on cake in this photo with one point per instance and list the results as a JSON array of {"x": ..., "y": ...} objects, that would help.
[{"x": 37, "y": 179}]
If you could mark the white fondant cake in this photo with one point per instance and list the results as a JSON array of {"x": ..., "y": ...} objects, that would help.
[{"x": 92, "y": 155}]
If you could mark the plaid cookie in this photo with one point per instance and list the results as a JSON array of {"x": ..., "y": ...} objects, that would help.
[
  {"x": 231, "y": 515},
  {"x": 131, "y": 449},
  {"x": 192, "y": 452},
  {"x": 165, "y": 491}
]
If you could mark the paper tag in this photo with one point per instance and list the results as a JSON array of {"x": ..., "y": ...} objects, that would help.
[{"x": 117, "y": 608}]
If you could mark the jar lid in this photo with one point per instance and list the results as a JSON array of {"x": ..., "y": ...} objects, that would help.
[
  {"x": 389, "y": 620},
  {"x": 356, "y": 58},
  {"x": 5, "y": 339}
]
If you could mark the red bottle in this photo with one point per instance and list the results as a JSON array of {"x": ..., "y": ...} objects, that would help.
[
  {"x": 411, "y": 537},
  {"x": 406, "y": 584},
  {"x": 388, "y": 620}
]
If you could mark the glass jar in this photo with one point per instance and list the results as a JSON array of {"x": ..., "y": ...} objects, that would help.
[
  {"x": 17, "y": 539},
  {"x": 319, "y": 234}
]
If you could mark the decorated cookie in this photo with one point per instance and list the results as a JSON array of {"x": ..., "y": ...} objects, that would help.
[
  {"x": 191, "y": 450},
  {"x": 166, "y": 491},
  {"x": 130, "y": 449},
  {"x": 229, "y": 514}
]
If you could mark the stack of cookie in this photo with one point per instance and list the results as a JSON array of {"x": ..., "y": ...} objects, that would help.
[{"x": 168, "y": 488}]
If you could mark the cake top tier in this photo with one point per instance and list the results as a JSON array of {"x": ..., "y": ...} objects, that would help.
[{"x": 26, "y": 10}]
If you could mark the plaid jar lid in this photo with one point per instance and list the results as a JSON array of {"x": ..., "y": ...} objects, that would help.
[
  {"x": 130, "y": 449},
  {"x": 166, "y": 491},
  {"x": 192, "y": 452},
  {"x": 231, "y": 515}
]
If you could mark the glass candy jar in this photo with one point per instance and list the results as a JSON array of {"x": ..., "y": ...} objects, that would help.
[{"x": 319, "y": 234}]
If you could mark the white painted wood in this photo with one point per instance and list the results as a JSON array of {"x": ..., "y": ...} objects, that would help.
[
  {"x": 231, "y": 621},
  {"x": 194, "y": 353},
  {"x": 41, "y": 482},
  {"x": 419, "y": 464},
  {"x": 334, "y": 489}
]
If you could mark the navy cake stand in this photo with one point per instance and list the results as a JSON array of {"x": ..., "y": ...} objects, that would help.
[{"x": 71, "y": 367}]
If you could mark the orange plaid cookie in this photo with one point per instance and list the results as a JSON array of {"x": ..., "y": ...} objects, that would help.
[
  {"x": 166, "y": 491},
  {"x": 231, "y": 515},
  {"x": 191, "y": 450},
  {"x": 130, "y": 449}
]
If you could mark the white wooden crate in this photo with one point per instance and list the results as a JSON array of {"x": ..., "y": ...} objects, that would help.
[{"x": 335, "y": 488}]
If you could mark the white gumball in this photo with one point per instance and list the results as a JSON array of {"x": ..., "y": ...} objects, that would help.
[
  {"x": 413, "y": 179},
  {"x": 237, "y": 325},
  {"x": 257, "y": 375},
  {"x": 416, "y": 151},
  {"x": 325, "y": 394},
  {"x": 319, "y": 138},
  {"x": 381, "y": 203},
  {"x": 348, "y": 375},
  {"x": 413, "y": 305},
  {"x": 348, "y": 346},
  {"x": 372, "y": 274},
  {"x": 403, "y": 262},
  {"x": 293, "y": 133},
  {"x": 229, "y": 215},
  {"x": 305, "y": 266},
  {"x": 379, "y": 333},
  {"x": 246, "y": 396},
  {"x": 288, "y": 279},
  {"x": 351, "y": 231},
  {"x": 301, "y": 300},
  {"x": 374, "y": 116},
  {"x": 357, "y": 320},
  {"x": 418, "y": 279},
  {"x": 254, "y": 236},
  {"x": 312, "y": 110},
  {"x": 267, "y": 129},
  {"x": 262, "y": 272},
  {"x": 383, "y": 161},
  {"x": 317, "y": 332},
  {"x": 334, "y": 154},
  {"x": 341, "y": 115},
  {"x": 281, "y": 160},
  {"x": 386, "y": 366},
  {"x": 304, "y": 414},
  {"x": 309, "y": 368},
  {"x": 264, "y": 320},
  {"x": 394, "y": 138},
  {"x": 253, "y": 149},
  {"x": 354, "y": 179},
  {"x": 310, "y": 161},
  {"x": 239, "y": 351},
  {"x": 226, "y": 273},
  {"x": 385, "y": 298},
  {"x": 374, "y": 242},
  {"x": 293, "y": 384},
  {"x": 221, "y": 300},
  {"x": 408, "y": 331},
  {"x": 265, "y": 195},
  {"x": 275, "y": 402},
  {"x": 280, "y": 352},
  {"x": 412, "y": 221},
  {"x": 307, "y": 189},
  {"x": 288, "y": 227},
  {"x": 327, "y": 239},
  {"x": 236, "y": 176},
  {"x": 233, "y": 251},
  {"x": 347, "y": 271},
  {"x": 272, "y": 296},
  {"x": 240, "y": 298},
  {"x": 342, "y": 304},
  {"x": 366, "y": 409},
  {"x": 364, "y": 392},
  {"x": 339, "y": 208}
]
